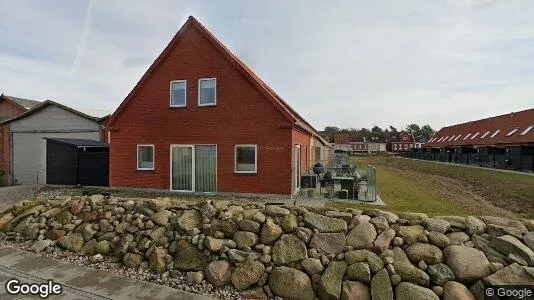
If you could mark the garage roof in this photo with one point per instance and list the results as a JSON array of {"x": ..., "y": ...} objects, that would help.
[{"x": 80, "y": 142}]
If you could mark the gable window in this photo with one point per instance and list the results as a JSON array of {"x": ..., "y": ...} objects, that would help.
[
  {"x": 145, "y": 157},
  {"x": 178, "y": 93},
  {"x": 207, "y": 92},
  {"x": 246, "y": 159}
]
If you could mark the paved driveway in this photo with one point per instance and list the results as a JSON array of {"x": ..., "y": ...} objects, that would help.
[{"x": 13, "y": 194}]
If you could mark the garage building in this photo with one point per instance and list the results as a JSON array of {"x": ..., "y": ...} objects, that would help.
[{"x": 24, "y": 144}]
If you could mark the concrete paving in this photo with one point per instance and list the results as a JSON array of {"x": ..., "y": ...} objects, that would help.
[{"x": 78, "y": 282}]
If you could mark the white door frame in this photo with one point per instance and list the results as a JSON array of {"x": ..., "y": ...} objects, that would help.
[
  {"x": 193, "y": 167},
  {"x": 296, "y": 167}
]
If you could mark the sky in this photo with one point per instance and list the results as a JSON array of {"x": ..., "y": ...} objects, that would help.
[{"x": 349, "y": 64}]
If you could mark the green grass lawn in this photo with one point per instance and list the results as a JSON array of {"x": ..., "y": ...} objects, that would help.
[{"x": 441, "y": 189}]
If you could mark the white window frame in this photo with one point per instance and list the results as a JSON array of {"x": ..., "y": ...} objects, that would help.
[
  {"x": 170, "y": 93},
  {"x": 255, "y": 159},
  {"x": 207, "y": 104},
  {"x": 527, "y": 130},
  {"x": 495, "y": 133},
  {"x": 153, "y": 157}
]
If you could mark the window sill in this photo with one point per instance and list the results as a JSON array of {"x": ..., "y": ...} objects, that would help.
[
  {"x": 173, "y": 107},
  {"x": 245, "y": 174},
  {"x": 207, "y": 105},
  {"x": 145, "y": 171}
]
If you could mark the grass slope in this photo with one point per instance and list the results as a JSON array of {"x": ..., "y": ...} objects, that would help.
[{"x": 441, "y": 189}]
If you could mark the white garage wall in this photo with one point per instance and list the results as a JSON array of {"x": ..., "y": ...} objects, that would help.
[{"x": 29, "y": 145}]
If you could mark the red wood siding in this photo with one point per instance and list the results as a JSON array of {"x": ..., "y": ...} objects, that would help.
[{"x": 242, "y": 116}]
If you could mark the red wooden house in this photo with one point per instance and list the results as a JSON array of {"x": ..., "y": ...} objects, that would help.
[
  {"x": 401, "y": 142},
  {"x": 199, "y": 120}
]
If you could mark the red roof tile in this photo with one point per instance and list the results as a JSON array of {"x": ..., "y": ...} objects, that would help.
[
  {"x": 508, "y": 129},
  {"x": 343, "y": 138}
]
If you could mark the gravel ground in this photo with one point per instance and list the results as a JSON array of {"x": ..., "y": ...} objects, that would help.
[{"x": 174, "y": 279}]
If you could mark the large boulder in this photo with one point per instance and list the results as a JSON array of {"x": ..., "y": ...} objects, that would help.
[
  {"x": 457, "y": 238},
  {"x": 156, "y": 260},
  {"x": 276, "y": 211},
  {"x": 329, "y": 243},
  {"x": 436, "y": 224},
  {"x": 414, "y": 218},
  {"x": 354, "y": 290},
  {"x": 362, "y": 236},
  {"x": 72, "y": 242},
  {"x": 381, "y": 286},
  {"x": 375, "y": 263},
  {"x": 330, "y": 283},
  {"x": 132, "y": 260},
  {"x": 410, "y": 291},
  {"x": 247, "y": 274},
  {"x": 406, "y": 270},
  {"x": 410, "y": 233},
  {"x": 474, "y": 226},
  {"x": 453, "y": 290},
  {"x": 290, "y": 284},
  {"x": 438, "y": 239},
  {"x": 188, "y": 258},
  {"x": 428, "y": 253},
  {"x": 324, "y": 223},
  {"x": 161, "y": 218},
  {"x": 5, "y": 219},
  {"x": 359, "y": 272},
  {"x": 189, "y": 220},
  {"x": 270, "y": 232},
  {"x": 508, "y": 244},
  {"x": 219, "y": 273},
  {"x": 245, "y": 239},
  {"x": 504, "y": 222},
  {"x": 439, "y": 274},
  {"x": 383, "y": 240},
  {"x": 468, "y": 264},
  {"x": 312, "y": 266},
  {"x": 289, "y": 223},
  {"x": 289, "y": 249},
  {"x": 513, "y": 274}
]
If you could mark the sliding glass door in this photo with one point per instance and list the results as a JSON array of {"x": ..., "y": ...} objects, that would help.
[{"x": 193, "y": 168}]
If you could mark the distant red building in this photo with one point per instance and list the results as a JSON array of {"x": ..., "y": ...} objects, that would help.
[{"x": 401, "y": 142}]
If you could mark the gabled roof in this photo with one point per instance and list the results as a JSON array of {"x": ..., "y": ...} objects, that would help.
[
  {"x": 512, "y": 128},
  {"x": 343, "y": 138},
  {"x": 23, "y": 103},
  {"x": 48, "y": 103},
  {"x": 285, "y": 109}
]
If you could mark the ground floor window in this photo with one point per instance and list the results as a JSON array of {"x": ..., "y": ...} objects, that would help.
[
  {"x": 145, "y": 157},
  {"x": 246, "y": 159}
]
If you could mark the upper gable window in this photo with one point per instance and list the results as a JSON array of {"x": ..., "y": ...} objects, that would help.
[
  {"x": 207, "y": 92},
  {"x": 178, "y": 93}
]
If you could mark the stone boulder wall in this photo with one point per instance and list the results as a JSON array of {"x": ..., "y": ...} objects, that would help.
[{"x": 288, "y": 252}]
